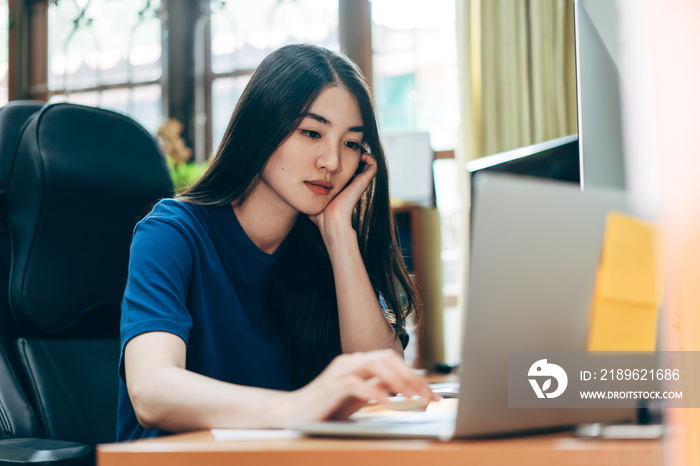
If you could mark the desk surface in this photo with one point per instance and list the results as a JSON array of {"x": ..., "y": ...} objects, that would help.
[{"x": 200, "y": 448}]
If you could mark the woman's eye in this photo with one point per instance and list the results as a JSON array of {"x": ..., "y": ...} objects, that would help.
[
  {"x": 354, "y": 145},
  {"x": 311, "y": 134}
]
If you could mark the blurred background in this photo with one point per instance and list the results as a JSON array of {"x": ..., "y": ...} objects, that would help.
[{"x": 471, "y": 77}]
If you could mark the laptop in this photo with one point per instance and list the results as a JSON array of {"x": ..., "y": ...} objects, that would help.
[{"x": 535, "y": 249}]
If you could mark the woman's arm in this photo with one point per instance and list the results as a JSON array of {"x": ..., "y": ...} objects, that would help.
[
  {"x": 363, "y": 326},
  {"x": 167, "y": 396}
]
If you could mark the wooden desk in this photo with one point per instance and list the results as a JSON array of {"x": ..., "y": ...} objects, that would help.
[{"x": 200, "y": 448}]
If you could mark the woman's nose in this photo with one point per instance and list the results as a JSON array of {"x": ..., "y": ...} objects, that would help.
[{"x": 329, "y": 158}]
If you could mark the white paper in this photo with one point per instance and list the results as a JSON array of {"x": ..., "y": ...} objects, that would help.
[
  {"x": 225, "y": 435},
  {"x": 410, "y": 160}
]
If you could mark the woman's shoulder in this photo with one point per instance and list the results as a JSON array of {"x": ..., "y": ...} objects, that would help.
[
  {"x": 175, "y": 213},
  {"x": 171, "y": 207}
]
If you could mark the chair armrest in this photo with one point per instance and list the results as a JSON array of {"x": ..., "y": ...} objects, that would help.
[{"x": 39, "y": 452}]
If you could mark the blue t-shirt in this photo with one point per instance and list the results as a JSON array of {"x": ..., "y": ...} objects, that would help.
[{"x": 195, "y": 273}]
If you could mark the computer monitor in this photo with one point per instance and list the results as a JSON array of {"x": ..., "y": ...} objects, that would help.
[
  {"x": 557, "y": 159},
  {"x": 598, "y": 79},
  {"x": 598, "y": 158}
]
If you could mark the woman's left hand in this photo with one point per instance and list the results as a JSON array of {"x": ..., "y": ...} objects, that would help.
[{"x": 339, "y": 211}]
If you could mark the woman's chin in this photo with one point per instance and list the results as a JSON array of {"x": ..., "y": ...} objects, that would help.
[
  {"x": 311, "y": 212},
  {"x": 312, "y": 209}
]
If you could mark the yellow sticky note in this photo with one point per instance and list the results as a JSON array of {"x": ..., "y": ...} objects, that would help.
[
  {"x": 628, "y": 288},
  {"x": 627, "y": 271}
]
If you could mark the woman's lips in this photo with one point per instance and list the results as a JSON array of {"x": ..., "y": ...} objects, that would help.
[{"x": 320, "y": 187}]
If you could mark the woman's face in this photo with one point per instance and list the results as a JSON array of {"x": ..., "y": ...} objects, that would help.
[{"x": 319, "y": 158}]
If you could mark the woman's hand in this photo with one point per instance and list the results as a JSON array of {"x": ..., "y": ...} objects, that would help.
[
  {"x": 351, "y": 380},
  {"x": 339, "y": 211}
]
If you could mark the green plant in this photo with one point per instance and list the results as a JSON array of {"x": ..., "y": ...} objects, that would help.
[{"x": 184, "y": 172}]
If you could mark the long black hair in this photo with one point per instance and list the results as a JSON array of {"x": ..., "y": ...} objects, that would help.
[{"x": 300, "y": 292}]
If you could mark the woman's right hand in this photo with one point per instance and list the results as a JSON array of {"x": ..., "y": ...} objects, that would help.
[{"x": 352, "y": 380}]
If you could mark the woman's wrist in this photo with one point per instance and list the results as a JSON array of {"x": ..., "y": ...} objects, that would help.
[
  {"x": 337, "y": 234},
  {"x": 340, "y": 242},
  {"x": 302, "y": 404}
]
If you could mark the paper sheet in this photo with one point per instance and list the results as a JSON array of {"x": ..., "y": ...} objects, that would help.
[{"x": 225, "y": 435}]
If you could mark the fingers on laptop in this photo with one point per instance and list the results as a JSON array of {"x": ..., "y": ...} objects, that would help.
[
  {"x": 352, "y": 380},
  {"x": 380, "y": 374}
]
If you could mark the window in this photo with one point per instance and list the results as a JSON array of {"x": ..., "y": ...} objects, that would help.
[
  {"x": 107, "y": 54},
  {"x": 244, "y": 32},
  {"x": 415, "y": 68}
]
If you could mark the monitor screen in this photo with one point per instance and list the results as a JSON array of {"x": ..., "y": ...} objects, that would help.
[{"x": 557, "y": 159}]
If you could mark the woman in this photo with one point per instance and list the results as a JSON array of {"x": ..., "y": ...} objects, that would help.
[{"x": 252, "y": 299}]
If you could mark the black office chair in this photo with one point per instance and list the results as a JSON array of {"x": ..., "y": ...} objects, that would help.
[{"x": 81, "y": 179}]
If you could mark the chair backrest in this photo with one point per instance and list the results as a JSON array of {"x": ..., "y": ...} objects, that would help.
[
  {"x": 81, "y": 179},
  {"x": 23, "y": 422},
  {"x": 13, "y": 116}
]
